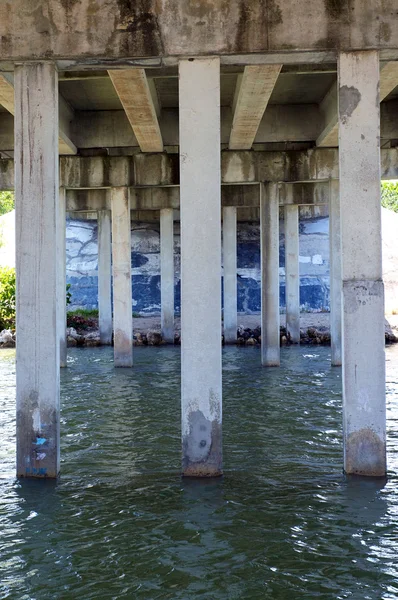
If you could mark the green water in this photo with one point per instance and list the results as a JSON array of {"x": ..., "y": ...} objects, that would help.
[{"x": 283, "y": 523}]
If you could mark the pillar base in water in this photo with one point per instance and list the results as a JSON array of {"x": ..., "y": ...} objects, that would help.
[
  {"x": 202, "y": 447},
  {"x": 365, "y": 454}
]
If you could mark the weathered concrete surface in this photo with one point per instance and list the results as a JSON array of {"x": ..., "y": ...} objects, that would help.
[
  {"x": 292, "y": 273},
  {"x": 37, "y": 219},
  {"x": 253, "y": 91},
  {"x": 121, "y": 266},
  {"x": 364, "y": 403},
  {"x": 201, "y": 379},
  {"x": 238, "y": 167},
  {"x": 133, "y": 90},
  {"x": 230, "y": 274},
  {"x": 269, "y": 227},
  {"x": 167, "y": 274},
  {"x": 335, "y": 273},
  {"x": 61, "y": 276},
  {"x": 122, "y": 29},
  {"x": 105, "y": 277}
]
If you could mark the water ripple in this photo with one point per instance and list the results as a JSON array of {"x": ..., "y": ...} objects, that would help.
[{"x": 283, "y": 523}]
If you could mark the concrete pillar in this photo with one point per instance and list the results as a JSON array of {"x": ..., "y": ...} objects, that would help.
[
  {"x": 292, "y": 272},
  {"x": 121, "y": 264},
  {"x": 167, "y": 274},
  {"x": 37, "y": 249},
  {"x": 364, "y": 405},
  {"x": 200, "y": 193},
  {"x": 335, "y": 272},
  {"x": 269, "y": 227},
  {"x": 230, "y": 281},
  {"x": 105, "y": 276},
  {"x": 61, "y": 275}
]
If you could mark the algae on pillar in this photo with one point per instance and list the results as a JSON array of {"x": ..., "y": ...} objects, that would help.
[
  {"x": 200, "y": 191},
  {"x": 364, "y": 401},
  {"x": 37, "y": 262}
]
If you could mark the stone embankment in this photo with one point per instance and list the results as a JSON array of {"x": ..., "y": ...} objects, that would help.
[
  {"x": 314, "y": 331},
  {"x": 88, "y": 335}
]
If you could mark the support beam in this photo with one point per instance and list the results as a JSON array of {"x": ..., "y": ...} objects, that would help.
[
  {"x": 37, "y": 218},
  {"x": 61, "y": 276},
  {"x": 335, "y": 272},
  {"x": 121, "y": 266},
  {"x": 364, "y": 402},
  {"x": 65, "y": 144},
  {"x": 328, "y": 107},
  {"x": 230, "y": 275},
  {"x": 132, "y": 87},
  {"x": 105, "y": 277},
  {"x": 292, "y": 271},
  {"x": 269, "y": 230},
  {"x": 201, "y": 379},
  {"x": 252, "y": 94},
  {"x": 167, "y": 274}
]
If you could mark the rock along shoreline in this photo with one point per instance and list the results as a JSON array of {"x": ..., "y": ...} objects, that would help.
[{"x": 87, "y": 335}]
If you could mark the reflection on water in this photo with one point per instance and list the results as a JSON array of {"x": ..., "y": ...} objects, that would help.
[{"x": 282, "y": 524}]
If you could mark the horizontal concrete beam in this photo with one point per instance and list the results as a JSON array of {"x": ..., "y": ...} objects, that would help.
[
  {"x": 87, "y": 31},
  {"x": 238, "y": 167},
  {"x": 111, "y": 128},
  {"x": 158, "y": 198},
  {"x": 280, "y": 123}
]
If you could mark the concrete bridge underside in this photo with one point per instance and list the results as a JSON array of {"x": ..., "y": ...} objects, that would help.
[{"x": 202, "y": 113}]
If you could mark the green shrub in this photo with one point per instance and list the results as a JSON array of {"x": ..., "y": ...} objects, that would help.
[
  {"x": 7, "y": 298},
  {"x": 6, "y": 202},
  {"x": 389, "y": 195}
]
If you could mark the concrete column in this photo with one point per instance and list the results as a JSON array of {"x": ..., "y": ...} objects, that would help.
[
  {"x": 230, "y": 281},
  {"x": 200, "y": 193},
  {"x": 61, "y": 274},
  {"x": 167, "y": 274},
  {"x": 292, "y": 272},
  {"x": 105, "y": 276},
  {"x": 335, "y": 271},
  {"x": 364, "y": 404},
  {"x": 121, "y": 265},
  {"x": 37, "y": 219},
  {"x": 269, "y": 227}
]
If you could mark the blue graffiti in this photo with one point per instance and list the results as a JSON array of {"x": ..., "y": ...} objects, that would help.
[{"x": 42, "y": 471}]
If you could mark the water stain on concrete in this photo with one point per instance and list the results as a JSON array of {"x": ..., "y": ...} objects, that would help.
[
  {"x": 385, "y": 32},
  {"x": 274, "y": 13},
  {"x": 202, "y": 454},
  {"x": 365, "y": 454},
  {"x": 349, "y": 98},
  {"x": 335, "y": 8},
  {"x": 138, "y": 17}
]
